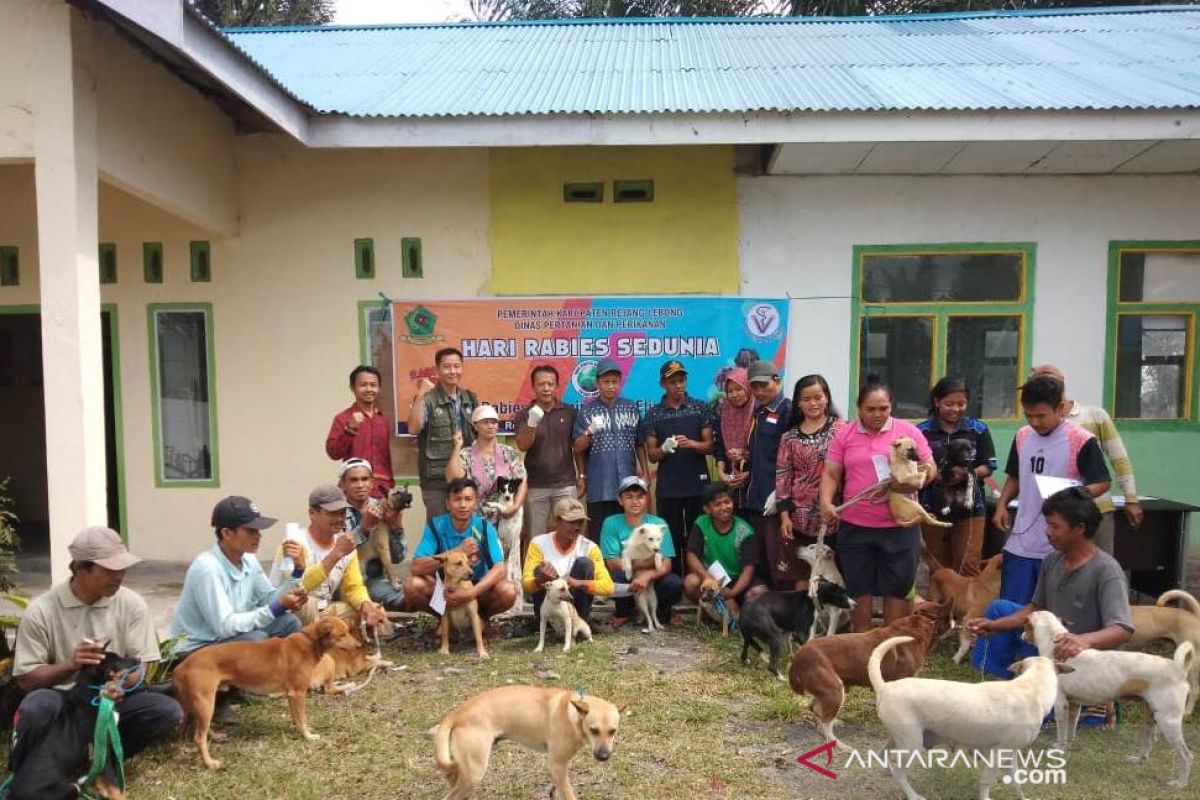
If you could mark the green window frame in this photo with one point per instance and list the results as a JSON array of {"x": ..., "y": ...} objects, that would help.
[
  {"x": 940, "y": 319},
  {"x": 174, "y": 468},
  {"x": 1126, "y": 310}
]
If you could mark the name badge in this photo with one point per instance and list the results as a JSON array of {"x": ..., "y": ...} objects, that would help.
[{"x": 882, "y": 471}]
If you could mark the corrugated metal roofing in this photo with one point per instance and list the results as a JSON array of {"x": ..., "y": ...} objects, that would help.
[{"x": 1136, "y": 58}]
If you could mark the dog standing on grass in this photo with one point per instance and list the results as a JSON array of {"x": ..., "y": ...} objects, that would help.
[
  {"x": 553, "y": 721},
  {"x": 645, "y": 541},
  {"x": 1176, "y": 625}
]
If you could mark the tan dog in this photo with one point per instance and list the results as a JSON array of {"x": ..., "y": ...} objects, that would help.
[
  {"x": 379, "y": 542},
  {"x": 824, "y": 667},
  {"x": 558, "y": 610},
  {"x": 271, "y": 665},
  {"x": 1177, "y": 625},
  {"x": 906, "y": 468},
  {"x": 337, "y": 665},
  {"x": 456, "y": 566},
  {"x": 645, "y": 541},
  {"x": 968, "y": 597},
  {"x": 553, "y": 721},
  {"x": 710, "y": 590}
]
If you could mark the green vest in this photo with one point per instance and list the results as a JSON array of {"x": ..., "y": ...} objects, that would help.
[
  {"x": 724, "y": 547},
  {"x": 435, "y": 442}
]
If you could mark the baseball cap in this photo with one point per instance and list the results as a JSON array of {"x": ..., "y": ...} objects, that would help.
[
  {"x": 608, "y": 365},
  {"x": 630, "y": 482},
  {"x": 484, "y": 411},
  {"x": 762, "y": 371},
  {"x": 670, "y": 368},
  {"x": 239, "y": 512},
  {"x": 327, "y": 497},
  {"x": 569, "y": 510},
  {"x": 102, "y": 546},
  {"x": 352, "y": 463}
]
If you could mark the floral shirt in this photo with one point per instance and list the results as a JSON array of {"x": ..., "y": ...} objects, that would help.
[
  {"x": 798, "y": 469},
  {"x": 506, "y": 463}
]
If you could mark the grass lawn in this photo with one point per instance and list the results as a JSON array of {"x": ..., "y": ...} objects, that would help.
[{"x": 701, "y": 725}]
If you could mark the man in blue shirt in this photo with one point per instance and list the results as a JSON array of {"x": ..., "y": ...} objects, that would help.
[
  {"x": 607, "y": 435},
  {"x": 461, "y": 528}
]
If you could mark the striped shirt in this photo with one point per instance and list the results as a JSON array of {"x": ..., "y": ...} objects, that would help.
[{"x": 1097, "y": 422}]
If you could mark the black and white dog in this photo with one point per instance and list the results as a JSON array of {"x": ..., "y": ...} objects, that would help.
[
  {"x": 953, "y": 495},
  {"x": 508, "y": 530},
  {"x": 776, "y": 617}
]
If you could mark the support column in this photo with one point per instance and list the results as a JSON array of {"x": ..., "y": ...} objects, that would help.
[{"x": 64, "y": 122}]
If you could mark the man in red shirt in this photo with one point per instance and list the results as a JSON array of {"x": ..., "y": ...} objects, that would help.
[{"x": 362, "y": 431}]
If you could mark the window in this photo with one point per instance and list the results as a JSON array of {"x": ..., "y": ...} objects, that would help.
[
  {"x": 924, "y": 311},
  {"x": 1151, "y": 329},
  {"x": 183, "y": 401}
]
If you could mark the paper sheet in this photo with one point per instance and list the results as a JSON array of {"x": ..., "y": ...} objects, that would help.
[
  {"x": 717, "y": 571},
  {"x": 882, "y": 471},
  {"x": 437, "y": 603},
  {"x": 1049, "y": 484}
]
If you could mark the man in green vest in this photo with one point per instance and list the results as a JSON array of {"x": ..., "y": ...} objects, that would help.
[{"x": 722, "y": 546}]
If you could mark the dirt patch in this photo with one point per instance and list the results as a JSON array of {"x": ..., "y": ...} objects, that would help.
[{"x": 666, "y": 653}]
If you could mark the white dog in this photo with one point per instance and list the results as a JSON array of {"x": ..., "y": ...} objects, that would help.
[
  {"x": 820, "y": 558},
  {"x": 992, "y": 716},
  {"x": 1102, "y": 676},
  {"x": 645, "y": 541},
  {"x": 558, "y": 609}
]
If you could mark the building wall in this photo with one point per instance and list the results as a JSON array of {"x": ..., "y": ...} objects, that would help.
[
  {"x": 16, "y": 106},
  {"x": 798, "y": 234},
  {"x": 684, "y": 241}
]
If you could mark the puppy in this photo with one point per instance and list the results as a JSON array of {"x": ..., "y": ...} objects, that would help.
[
  {"x": 1102, "y": 676},
  {"x": 1177, "y": 625},
  {"x": 378, "y": 544},
  {"x": 645, "y": 541},
  {"x": 710, "y": 593},
  {"x": 967, "y": 597},
  {"x": 775, "y": 617},
  {"x": 337, "y": 665},
  {"x": 558, "y": 609},
  {"x": 953, "y": 497},
  {"x": 820, "y": 558},
  {"x": 456, "y": 567},
  {"x": 993, "y": 716},
  {"x": 824, "y": 667},
  {"x": 271, "y": 665},
  {"x": 56, "y": 761},
  {"x": 906, "y": 468},
  {"x": 553, "y": 721}
]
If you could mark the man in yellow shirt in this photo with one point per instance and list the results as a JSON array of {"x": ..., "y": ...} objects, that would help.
[{"x": 564, "y": 553}]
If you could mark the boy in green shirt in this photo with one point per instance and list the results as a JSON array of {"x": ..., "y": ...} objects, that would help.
[{"x": 720, "y": 537}]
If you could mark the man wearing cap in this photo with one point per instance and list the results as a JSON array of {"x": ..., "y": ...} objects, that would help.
[
  {"x": 772, "y": 409},
  {"x": 562, "y": 552},
  {"x": 363, "y": 432},
  {"x": 632, "y": 495},
  {"x": 70, "y": 627},
  {"x": 678, "y": 432},
  {"x": 608, "y": 436},
  {"x": 438, "y": 411},
  {"x": 354, "y": 479},
  {"x": 544, "y": 434},
  {"x": 332, "y": 577},
  {"x": 226, "y": 596},
  {"x": 461, "y": 528}
]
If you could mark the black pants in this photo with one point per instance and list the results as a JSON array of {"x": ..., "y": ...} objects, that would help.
[
  {"x": 597, "y": 513},
  {"x": 681, "y": 514},
  {"x": 584, "y": 570},
  {"x": 668, "y": 588}
]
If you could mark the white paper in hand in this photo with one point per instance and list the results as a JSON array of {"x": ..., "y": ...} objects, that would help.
[
  {"x": 1050, "y": 484},
  {"x": 717, "y": 571},
  {"x": 882, "y": 470},
  {"x": 437, "y": 602}
]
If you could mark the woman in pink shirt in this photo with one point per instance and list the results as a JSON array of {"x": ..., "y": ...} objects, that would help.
[{"x": 878, "y": 558}]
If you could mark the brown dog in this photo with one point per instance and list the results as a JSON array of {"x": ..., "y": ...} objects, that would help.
[
  {"x": 967, "y": 597},
  {"x": 824, "y": 667},
  {"x": 337, "y": 665},
  {"x": 379, "y": 540},
  {"x": 1177, "y": 625},
  {"x": 707, "y": 604},
  {"x": 906, "y": 468},
  {"x": 456, "y": 566},
  {"x": 272, "y": 665}
]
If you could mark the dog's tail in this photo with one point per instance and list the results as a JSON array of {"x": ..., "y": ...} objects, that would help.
[
  {"x": 1184, "y": 654},
  {"x": 1178, "y": 594},
  {"x": 441, "y": 749},
  {"x": 877, "y": 656}
]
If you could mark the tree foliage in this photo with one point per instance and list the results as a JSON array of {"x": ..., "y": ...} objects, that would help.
[{"x": 264, "y": 13}]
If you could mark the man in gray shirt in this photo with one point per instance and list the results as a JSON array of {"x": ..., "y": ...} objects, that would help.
[{"x": 1084, "y": 586}]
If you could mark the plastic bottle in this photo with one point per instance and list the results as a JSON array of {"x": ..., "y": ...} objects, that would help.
[{"x": 292, "y": 534}]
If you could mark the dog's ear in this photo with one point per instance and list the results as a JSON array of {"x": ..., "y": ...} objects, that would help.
[
  {"x": 623, "y": 709},
  {"x": 580, "y": 705},
  {"x": 1063, "y": 669}
]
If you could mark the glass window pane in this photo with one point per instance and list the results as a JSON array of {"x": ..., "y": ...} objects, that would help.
[
  {"x": 958, "y": 277},
  {"x": 985, "y": 352},
  {"x": 1151, "y": 366},
  {"x": 900, "y": 349},
  {"x": 1160, "y": 277},
  {"x": 183, "y": 392}
]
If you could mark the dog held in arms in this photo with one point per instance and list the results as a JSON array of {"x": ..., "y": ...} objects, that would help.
[
  {"x": 776, "y": 617},
  {"x": 558, "y": 610},
  {"x": 953, "y": 496},
  {"x": 906, "y": 468},
  {"x": 644, "y": 542},
  {"x": 508, "y": 530},
  {"x": 996, "y": 717},
  {"x": 271, "y": 665},
  {"x": 553, "y": 721},
  {"x": 378, "y": 544}
]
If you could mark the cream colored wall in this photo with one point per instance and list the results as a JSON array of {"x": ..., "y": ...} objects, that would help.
[{"x": 16, "y": 105}]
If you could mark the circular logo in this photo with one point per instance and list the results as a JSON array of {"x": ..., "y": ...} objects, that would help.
[
  {"x": 762, "y": 320},
  {"x": 583, "y": 378}
]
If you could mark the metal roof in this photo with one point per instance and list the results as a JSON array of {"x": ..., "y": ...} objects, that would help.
[{"x": 1131, "y": 58}]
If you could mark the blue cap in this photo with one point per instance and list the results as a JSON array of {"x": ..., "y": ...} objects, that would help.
[{"x": 608, "y": 365}]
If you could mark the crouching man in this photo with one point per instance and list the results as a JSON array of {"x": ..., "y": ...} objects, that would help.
[
  {"x": 563, "y": 552},
  {"x": 461, "y": 528}
]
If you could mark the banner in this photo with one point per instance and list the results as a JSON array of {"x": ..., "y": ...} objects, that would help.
[{"x": 502, "y": 340}]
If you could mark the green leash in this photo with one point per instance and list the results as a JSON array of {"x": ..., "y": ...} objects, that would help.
[{"x": 106, "y": 735}]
